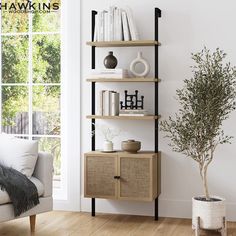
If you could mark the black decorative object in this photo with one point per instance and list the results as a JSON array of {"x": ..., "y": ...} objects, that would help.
[
  {"x": 110, "y": 61},
  {"x": 132, "y": 102}
]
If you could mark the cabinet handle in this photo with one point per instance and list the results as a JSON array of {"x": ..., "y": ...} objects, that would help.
[{"x": 116, "y": 177}]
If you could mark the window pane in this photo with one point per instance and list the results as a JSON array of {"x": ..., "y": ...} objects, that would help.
[
  {"x": 14, "y": 22},
  {"x": 53, "y": 146},
  {"x": 46, "y": 110},
  {"x": 46, "y": 59},
  {"x": 15, "y": 59},
  {"x": 47, "y": 22},
  {"x": 15, "y": 110}
]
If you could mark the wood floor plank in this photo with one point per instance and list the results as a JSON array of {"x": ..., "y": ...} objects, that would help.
[
  {"x": 121, "y": 225},
  {"x": 91, "y": 224},
  {"x": 82, "y": 224},
  {"x": 167, "y": 227},
  {"x": 148, "y": 226}
]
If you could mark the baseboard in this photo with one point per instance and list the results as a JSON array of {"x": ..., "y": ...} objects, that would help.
[
  {"x": 65, "y": 205},
  {"x": 167, "y": 208},
  {"x": 175, "y": 208},
  {"x": 183, "y": 209}
]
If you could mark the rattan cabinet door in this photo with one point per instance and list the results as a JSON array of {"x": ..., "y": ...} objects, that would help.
[
  {"x": 99, "y": 176},
  {"x": 135, "y": 178}
]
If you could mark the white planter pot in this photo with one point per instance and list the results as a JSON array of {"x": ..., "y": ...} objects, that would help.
[
  {"x": 211, "y": 213},
  {"x": 108, "y": 146}
]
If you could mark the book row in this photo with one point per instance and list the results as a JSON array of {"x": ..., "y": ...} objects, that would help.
[
  {"x": 115, "y": 24},
  {"x": 109, "y": 105}
]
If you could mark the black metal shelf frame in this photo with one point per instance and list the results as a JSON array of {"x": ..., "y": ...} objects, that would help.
[{"x": 157, "y": 14}]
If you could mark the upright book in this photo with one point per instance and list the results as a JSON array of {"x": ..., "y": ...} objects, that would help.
[
  {"x": 106, "y": 103},
  {"x": 100, "y": 111},
  {"x": 132, "y": 25},
  {"x": 125, "y": 26},
  {"x": 106, "y": 26},
  {"x": 114, "y": 103},
  {"x": 111, "y": 23},
  {"x": 95, "y": 37},
  {"x": 118, "y": 33}
]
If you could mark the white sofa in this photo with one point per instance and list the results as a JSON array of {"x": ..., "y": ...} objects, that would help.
[{"x": 42, "y": 178}]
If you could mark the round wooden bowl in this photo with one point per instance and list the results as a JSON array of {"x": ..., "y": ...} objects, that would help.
[{"x": 131, "y": 146}]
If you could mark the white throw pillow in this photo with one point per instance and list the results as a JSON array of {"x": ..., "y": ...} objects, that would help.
[{"x": 20, "y": 154}]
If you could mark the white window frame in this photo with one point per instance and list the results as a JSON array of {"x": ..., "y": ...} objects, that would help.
[{"x": 68, "y": 197}]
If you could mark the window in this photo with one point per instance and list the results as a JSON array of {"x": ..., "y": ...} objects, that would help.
[{"x": 30, "y": 78}]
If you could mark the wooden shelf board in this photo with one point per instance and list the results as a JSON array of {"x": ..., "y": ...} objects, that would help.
[
  {"x": 99, "y": 152},
  {"x": 123, "y": 117},
  {"x": 101, "y": 80},
  {"x": 136, "y": 43}
]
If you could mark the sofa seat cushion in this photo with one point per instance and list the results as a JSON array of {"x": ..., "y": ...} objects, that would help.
[{"x": 4, "y": 197}]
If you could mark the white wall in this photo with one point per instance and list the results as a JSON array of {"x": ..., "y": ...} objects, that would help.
[
  {"x": 67, "y": 196},
  {"x": 185, "y": 27}
]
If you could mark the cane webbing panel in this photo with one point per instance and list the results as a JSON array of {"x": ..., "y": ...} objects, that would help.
[
  {"x": 100, "y": 172},
  {"x": 135, "y": 177}
]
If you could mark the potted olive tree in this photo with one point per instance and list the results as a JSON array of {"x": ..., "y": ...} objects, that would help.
[{"x": 206, "y": 100}]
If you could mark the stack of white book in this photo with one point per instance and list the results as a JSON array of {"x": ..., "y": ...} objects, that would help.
[
  {"x": 109, "y": 73},
  {"x": 133, "y": 112},
  {"x": 115, "y": 24},
  {"x": 108, "y": 103}
]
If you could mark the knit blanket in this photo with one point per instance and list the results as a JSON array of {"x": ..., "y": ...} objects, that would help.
[{"x": 22, "y": 192}]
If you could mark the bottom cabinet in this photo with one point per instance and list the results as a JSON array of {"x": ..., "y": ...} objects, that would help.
[{"x": 122, "y": 175}]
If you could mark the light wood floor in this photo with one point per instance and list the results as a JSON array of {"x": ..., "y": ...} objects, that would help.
[{"x": 82, "y": 224}]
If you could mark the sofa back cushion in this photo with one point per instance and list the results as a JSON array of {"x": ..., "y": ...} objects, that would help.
[{"x": 20, "y": 154}]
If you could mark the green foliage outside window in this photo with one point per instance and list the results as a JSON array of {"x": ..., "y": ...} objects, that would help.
[{"x": 14, "y": 23}]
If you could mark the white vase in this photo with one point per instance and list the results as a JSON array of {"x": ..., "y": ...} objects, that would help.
[
  {"x": 141, "y": 60},
  {"x": 211, "y": 213},
  {"x": 108, "y": 146}
]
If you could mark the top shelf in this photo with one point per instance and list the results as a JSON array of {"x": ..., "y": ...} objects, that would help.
[{"x": 136, "y": 43}]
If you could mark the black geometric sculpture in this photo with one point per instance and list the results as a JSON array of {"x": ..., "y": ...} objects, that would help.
[{"x": 132, "y": 102}]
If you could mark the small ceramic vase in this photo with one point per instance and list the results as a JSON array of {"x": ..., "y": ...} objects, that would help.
[
  {"x": 136, "y": 61},
  {"x": 108, "y": 146},
  {"x": 110, "y": 61}
]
